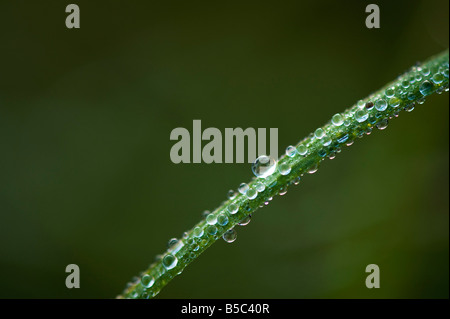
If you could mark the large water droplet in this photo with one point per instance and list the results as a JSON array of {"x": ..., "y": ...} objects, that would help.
[
  {"x": 264, "y": 166},
  {"x": 319, "y": 133},
  {"x": 426, "y": 88},
  {"x": 197, "y": 232},
  {"x": 243, "y": 188},
  {"x": 382, "y": 124},
  {"x": 211, "y": 219},
  {"x": 252, "y": 193},
  {"x": 230, "y": 236},
  {"x": 222, "y": 219},
  {"x": 260, "y": 187},
  {"x": 438, "y": 78},
  {"x": 381, "y": 105},
  {"x": 302, "y": 150},
  {"x": 169, "y": 261},
  {"x": 291, "y": 151}
]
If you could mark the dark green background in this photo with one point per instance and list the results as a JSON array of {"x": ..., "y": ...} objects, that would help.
[{"x": 85, "y": 173}]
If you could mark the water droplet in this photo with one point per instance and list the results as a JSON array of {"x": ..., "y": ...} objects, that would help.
[
  {"x": 169, "y": 261},
  {"x": 382, "y": 124},
  {"x": 260, "y": 187},
  {"x": 426, "y": 88},
  {"x": 291, "y": 151},
  {"x": 313, "y": 169},
  {"x": 233, "y": 208},
  {"x": 342, "y": 139},
  {"x": 197, "y": 232},
  {"x": 252, "y": 193},
  {"x": 284, "y": 169},
  {"x": 297, "y": 180},
  {"x": 425, "y": 71},
  {"x": 172, "y": 242},
  {"x": 147, "y": 281},
  {"x": 211, "y": 219},
  {"x": 381, "y": 105},
  {"x": 390, "y": 92},
  {"x": 409, "y": 107},
  {"x": 405, "y": 84},
  {"x": 283, "y": 191},
  {"x": 245, "y": 220},
  {"x": 361, "y": 115},
  {"x": 369, "y": 105},
  {"x": 302, "y": 150},
  {"x": 394, "y": 102},
  {"x": 264, "y": 166},
  {"x": 322, "y": 153},
  {"x": 438, "y": 78},
  {"x": 360, "y": 104},
  {"x": 211, "y": 230},
  {"x": 205, "y": 213},
  {"x": 230, "y": 236},
  {"x": 319, "y": 133},
  {"x": 222, "y": 219},
  {"x": 445, "y": 72},
  {"x": 337, "y": 119},
  {"x": 326, "y": 140},
  {"x": 231, "y": 194},
  {"x": 243, "y": 188},
  {"x": 347, "y": 122}
]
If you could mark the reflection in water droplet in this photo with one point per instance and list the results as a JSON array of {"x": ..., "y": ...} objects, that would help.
[{"x": 230, "y": 236}]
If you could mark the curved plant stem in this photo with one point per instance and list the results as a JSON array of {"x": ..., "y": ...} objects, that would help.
[{"x": 375, "y": 111}]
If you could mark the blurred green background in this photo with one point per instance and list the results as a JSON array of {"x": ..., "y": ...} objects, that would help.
[{"x": 86, "y": 178}]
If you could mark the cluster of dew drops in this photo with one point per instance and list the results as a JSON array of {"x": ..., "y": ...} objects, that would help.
[{"x": 376, "y": 111}]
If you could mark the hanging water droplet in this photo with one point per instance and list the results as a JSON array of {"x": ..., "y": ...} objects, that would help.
[
  {"x": 297, "y": 180},
  {"x": 243, "y": 188},
  {"x": 291, "y": 151},
  {"x": 245, "y": 220},
  {"x": 313, "y": 169},
  {"x": 211, "y": 219},
  {"x": 319, "y": 133},
  {"x": 322, "y": 153},
  {"x": 233, "y": 208},
  {"x": 382, "y": 124},
  {"x": 337, "y": 119},
  {"x": 197, "y": 232},
  {"x": 284, "y": 169},
  {"x": 302, "y": 150},
  {"x": 169, "y": 261},
  {"x": 205, "y": 213},
  {"x": 361, "y": 115},
  {"x": 222, "y": 219},
  {"x": 409, "y": 107},
  {"x": 230, "y": 236},
  {"x": 360, "y": 104},
  {"x": 381, "y": 105},
  {"x": 394, "y": 102},
  {"x": 283, "y": 191},
  {"x": 252, "y": 193},
  {"x": 264, "y": 166},
  {"x": 172, "y": 242},
  {"x": 147, "y": 281},
  {"x": 260, "y": 187},
  {"x": 231, "y": 194}
]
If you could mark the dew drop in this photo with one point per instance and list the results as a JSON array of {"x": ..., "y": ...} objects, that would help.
[
  {"x": 231, "y": 194},
  {"x": 197, "y": 232},
  {"x": 147, "y": 281},
  {"x": 230, "y": 236},
  {"x": 291, "y": 151},
  {"x": 425, "y": 71},
  {"x": 172, "y": 242},
  {"x": 284, "y": 169},
  {"x": 337, "y": 119},
  {"x": 211, "y": 230},
  {"x": 264, "y": 166},
  {"x": 211, "y": 219},
  {"x": 394, "y": 102},
  {"x": 246, "y": 220},
  {"x": 302, "y": 150},
  {"x": 381, "y": 105},
  {"x": 361, "y": 115},
  {"x": 283, "y": 191},
  {"x": 233, "y": 208},
  {"x": 313, "y": 169},
  {"x": 169, "y": 261},
  {"x": 260, "y": 187},
  {"x": 326, "y": 140},
  {"x": 252, "y": 193},
  {"x": 405, "y": 84},
  {"x": 438, "y": 78},
  {"x": 222, "y": 219},
  {"x": 369, "y": 105},
  {"x": 243, "y": 188},
  {"x": 297, "y": 180},
  {"x": 382, "y": 124},
  {"x": 319, "y": 133},
  {"x": 390, "y": 92}
]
